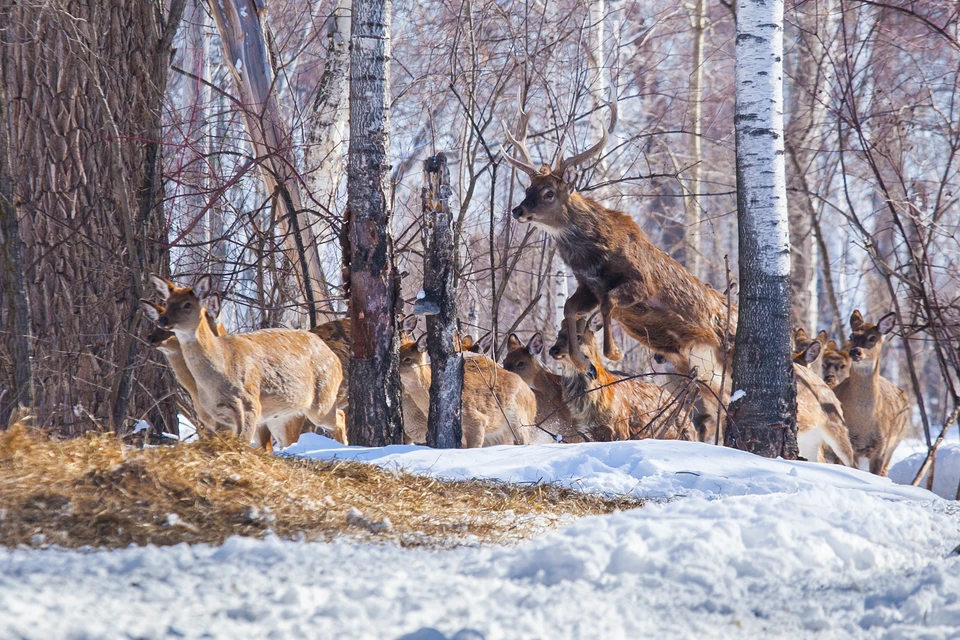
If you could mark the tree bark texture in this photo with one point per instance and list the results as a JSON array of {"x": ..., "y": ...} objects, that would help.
[
  {"x": 439, "y": 303},
  {"x": 83, "y": 85},
  {"x": 764, "y": 409},
  {"x": 374, "y": 416},
  {"x": 242, "y": 35}
]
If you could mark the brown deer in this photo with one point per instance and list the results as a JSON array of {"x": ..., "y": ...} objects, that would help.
[
  {"x": 618, "y": 268},
  {"x": 264, "y": 377},
  {"x": 820, "y": 422},
  {"x": 498, "y": 408},
  {"x": 836, "y": 364},
  {"x": 552, "y": 413},
  {"x": 876, "y": 411},
  {"x": 606, "y": 408},
  {"x": 801, "y": 343},
  {"x": 166, "y": 342}
]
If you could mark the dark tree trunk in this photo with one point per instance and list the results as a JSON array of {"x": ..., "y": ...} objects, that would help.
[
  {"x": 84, "y": 83},
  {"x": 439, "y": 303},
  {"x": 763, "y": 406},
  {"x": 374, "y": 416}
]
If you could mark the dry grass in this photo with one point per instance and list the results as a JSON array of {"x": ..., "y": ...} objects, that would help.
[{"x": 97, "y": 491}]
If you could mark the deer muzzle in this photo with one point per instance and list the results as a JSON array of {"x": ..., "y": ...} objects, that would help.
[
  {"x": 856, "y": 354},
  {"x": 519, "y": 213}
]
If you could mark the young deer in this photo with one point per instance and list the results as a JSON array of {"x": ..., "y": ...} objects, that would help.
[
  {"x": 244, "y": 380},
  {"x": 552, "y": 413},
  {"x": 820, "y": 422},
  {"x": 877, "y": 412},
  {"x": 801, "y": 343},
  {"x": 618, "y": 268},
  {"x": 836, "y": 364},
  {"x": 498, "y": 408},
  {"x": 605, "y": 408}
]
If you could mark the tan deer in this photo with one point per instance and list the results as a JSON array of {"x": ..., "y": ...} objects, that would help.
[
  {"x": 498, "y": 408},
  {"x": 836, "y": 364},
  {"x": 618, "y": 268},
  {"x": 800, "y": 345},
  {"x": 552, "y": 412},
  {"x": 166, "y": 342},
  {"x": 876, "y": 411},
  {"x": 606, "y": 408},
  {"x": 820, "y": 422},
  {"x": 264, "y": 377}
]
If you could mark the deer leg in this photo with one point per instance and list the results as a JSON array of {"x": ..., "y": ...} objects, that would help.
[
  {"x": 610, "y": 350},
  {"x": 580, "y": 303}
]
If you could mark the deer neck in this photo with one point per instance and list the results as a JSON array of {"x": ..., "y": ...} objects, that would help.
[
  {"x": 416, "y": 384},
  {"x": 864, "y": 384},
  {"x": 547, "y": 384},
  {"x": 201, "y": 349}
]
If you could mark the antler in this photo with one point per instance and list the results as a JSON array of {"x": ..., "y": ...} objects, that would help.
[
  {"x": 583, "y": 156},
  {"x": 525, "y": 163}
]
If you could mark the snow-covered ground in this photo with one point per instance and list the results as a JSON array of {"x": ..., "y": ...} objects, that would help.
[{"x": 753, "y": 548}]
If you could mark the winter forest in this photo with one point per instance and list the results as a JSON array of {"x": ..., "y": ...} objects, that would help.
[{"x": 281, "y": 273}]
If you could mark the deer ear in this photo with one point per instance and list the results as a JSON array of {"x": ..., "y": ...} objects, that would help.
[
  {"x": 832, "y": 345},
  {"x": 799, "y": 334},
  {"x": 485, "y": 342},
  {"x": 203, "y": 287},
  {"x": 812, "y": 352},
  {"x": 513, "y": 342},
  {"x": 212, "y": 304},
  {"x": 422, "y": 343},
  {"x": 535, "y": 346},
  {"x": 164, "y": 287},
  {"x": 822, "y": 337},
  {"x": 887, "y": 323},
  {"x": 856, "y": 320},
  {"x": 466, "y": 342},
  {"x": 410, "y": 323},
  {"x": 569, "y": 176},
  {"x": 150, "y": 310}
]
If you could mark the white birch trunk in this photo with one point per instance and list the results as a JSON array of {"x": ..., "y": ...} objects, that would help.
[
  {"x": 764, "y": 416},
  {"x": 691, "y": 218}
]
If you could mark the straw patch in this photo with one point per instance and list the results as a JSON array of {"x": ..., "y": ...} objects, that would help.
[{"x": 97, "y": 491}]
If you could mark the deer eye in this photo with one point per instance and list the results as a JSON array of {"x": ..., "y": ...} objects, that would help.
[
  {"x": 548, "y": 195},
  {"x": 519, "y": 365},
  {"x": 408, "y": 359},
  {"x": 187, "y": 306}
]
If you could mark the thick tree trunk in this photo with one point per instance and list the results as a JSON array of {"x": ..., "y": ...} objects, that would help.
[
  {"x": 764, "y": 401},
  {"x": 85, "y": 83},
  {"x": 439, "y": 303},
  {"x": 374, "y": 417},
  {"x": 245, "y": 51}
]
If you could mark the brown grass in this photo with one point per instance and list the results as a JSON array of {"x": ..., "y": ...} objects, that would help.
[{"x": 97, "y": 491}]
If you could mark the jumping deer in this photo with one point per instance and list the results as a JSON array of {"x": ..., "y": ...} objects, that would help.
[
  {"x": 605, "y": 408},
  {"x": 655, "y": 299},
  {"x": 876, "y": 411},
  {"x": 264, "y": 377},
  {"x": 498, "y": 408},
  {"x": 836, "y": 364},
  {"x": 552, "y": 413}
]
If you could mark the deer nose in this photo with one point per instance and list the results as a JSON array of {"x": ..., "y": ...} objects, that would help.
[
  {"x": 856, "y": 354},
  {"x": 163, "y": 322},
  {"x": 517, "y": 212},
  {"x": 554, "y": 351}
]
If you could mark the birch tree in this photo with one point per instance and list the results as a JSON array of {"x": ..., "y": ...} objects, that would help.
[
  {"x": 763, "y": 406},
  {"x": 374, "y": 417}
]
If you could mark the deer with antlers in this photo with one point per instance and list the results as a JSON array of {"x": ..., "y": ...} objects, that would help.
[{"x": 618, "y": 269}]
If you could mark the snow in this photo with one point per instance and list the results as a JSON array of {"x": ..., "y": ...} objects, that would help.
[
  {"x": 946, "y": 476},
  {"x": 739, "y": 393},
  {"x": 731, "y": 546},
  {"x": 657, "y": 469}
]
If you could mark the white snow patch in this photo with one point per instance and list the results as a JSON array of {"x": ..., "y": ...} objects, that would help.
[
  {"x": 739, "y": 393},
  {"x": 946, "y": 474},
  {"x": 143, "y": 425}
]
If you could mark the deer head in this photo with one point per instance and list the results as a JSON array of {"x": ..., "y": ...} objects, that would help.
[
  {"x": 836, "y": 363},
  {"x": 413, "y": 354},
  {"x": 184, "y": 305},
  {"x": 546, "y": 198},
  {"x": 866, "y": 340},
  {"x": 588, "y": 345},
  {"x": 522, "y": 359},
  {"x": 159, "y": 337}
]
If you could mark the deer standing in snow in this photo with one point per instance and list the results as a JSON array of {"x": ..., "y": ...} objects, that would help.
[
  {"x": 820, "y": 422},
  {"x": 498, "y": 408},
  {"x": 606, "y": 408},
  {"x": 552, "y": 412},
  {"x": 877, "y": 411},
  {"x": 656, "y": 301},
  {"x": 263, "y": 377}
]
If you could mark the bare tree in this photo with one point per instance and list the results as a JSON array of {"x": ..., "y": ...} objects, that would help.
[
  {"x": 374, "y": 417},
  {"x": 763, "y": 405}
]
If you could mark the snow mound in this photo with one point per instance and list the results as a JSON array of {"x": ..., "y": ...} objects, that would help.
[
  {"x": 655, "y": 469},
  {"x": 946, "y": 475}
]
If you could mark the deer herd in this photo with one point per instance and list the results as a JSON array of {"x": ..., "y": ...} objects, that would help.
[{"x": 273, "y": 384}]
